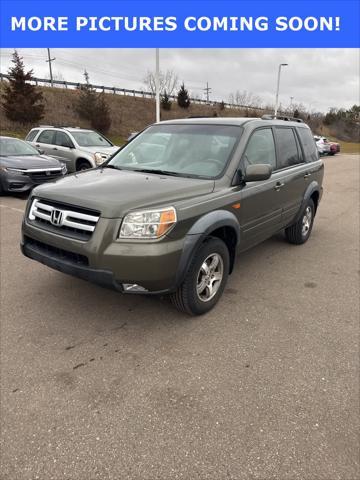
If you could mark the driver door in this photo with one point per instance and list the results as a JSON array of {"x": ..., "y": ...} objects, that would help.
[{"x": 261, "y": 208}]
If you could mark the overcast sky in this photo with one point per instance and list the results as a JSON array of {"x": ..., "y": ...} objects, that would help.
[{"x": 317, "y": 78}]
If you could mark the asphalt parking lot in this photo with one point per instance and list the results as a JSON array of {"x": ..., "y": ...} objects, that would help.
[{"x": 266, "y": 386}]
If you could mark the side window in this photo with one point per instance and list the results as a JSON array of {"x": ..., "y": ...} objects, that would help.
[
  {"x": 287, "y": 148},
  {"x": 31, "y": 135},
  {"x": 309, "y": 145},
  {"x": 47, "y": 136},
  {"x": 63, "y": 140},
  {"x": 260, "y": 149}
]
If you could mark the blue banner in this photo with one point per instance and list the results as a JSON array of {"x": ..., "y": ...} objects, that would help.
[{"x": 193, "y": 24}]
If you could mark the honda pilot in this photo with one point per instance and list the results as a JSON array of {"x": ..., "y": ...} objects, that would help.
[{"x": 168, "y": 213}]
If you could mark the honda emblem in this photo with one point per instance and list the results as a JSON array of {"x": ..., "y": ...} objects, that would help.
[{"x": 56, "y": 218}]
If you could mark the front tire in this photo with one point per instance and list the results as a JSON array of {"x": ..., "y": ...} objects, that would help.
[
  {"x": 299, "y": 232},
  {"x": 82, "y": 165},
  {"x": 205, "y": 280}
]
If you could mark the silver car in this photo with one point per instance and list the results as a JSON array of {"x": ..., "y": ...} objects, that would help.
[{"x": 79, "y": 148}]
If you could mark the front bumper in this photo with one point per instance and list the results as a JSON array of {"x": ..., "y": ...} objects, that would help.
[
  {"x": 103, "y": 259},
  {"x": 18, "y": 183},
  {"x": 103, "y": 278}
]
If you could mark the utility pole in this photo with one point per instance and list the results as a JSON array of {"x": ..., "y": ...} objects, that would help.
[
  {"x": 49, "y": 61},
  {"x": 207, "y": 90},
  {"x": 157, "y": 85}
]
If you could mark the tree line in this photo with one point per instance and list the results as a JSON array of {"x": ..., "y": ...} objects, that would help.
[{"x": 24, "y": 103}]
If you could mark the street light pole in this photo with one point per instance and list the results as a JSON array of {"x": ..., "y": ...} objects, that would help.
[
  {"x": 157, "y": 85},
  {"x": 278, "y": 87}
]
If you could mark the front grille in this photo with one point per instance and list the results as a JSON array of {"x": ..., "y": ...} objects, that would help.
[
  {"x": 67, "y": 220},
  {"x": 43, "y": 175},
  {"x": 58, "y": 253}
]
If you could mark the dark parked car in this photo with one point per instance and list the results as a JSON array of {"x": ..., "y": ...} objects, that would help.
[
  {"x": 22, "y": 166},
  {"x": 169, "y": 211}
]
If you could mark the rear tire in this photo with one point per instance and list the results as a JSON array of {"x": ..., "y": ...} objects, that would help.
[
  {"x": 205, "y": 279},
  {"x": 299, "y": 232}
]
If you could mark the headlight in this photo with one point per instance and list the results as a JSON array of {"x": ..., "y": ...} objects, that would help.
[
  {"x": 14, "y": 170},
  {"x": 148, "y": 223},
  {"x": 99, "y": 158}
]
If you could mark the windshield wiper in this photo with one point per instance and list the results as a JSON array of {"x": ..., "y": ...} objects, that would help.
[
  {"x": 112, "y": 166},
  {"x": 158, "y": 172}
]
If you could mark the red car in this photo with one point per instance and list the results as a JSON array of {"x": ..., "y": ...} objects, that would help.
[{"x": 334, "y": 148}]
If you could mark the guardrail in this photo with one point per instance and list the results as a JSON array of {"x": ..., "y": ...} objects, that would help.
[{"x": 129, "y": 92}]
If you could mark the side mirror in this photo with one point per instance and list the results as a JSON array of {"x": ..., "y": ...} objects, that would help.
[{"x": 255, "y": 173}]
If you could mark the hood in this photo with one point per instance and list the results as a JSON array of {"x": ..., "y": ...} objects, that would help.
[
  {"x": 115, "y": 192},
  {"x": 29, "y": 161},
  {"x": 106, "y": 150}
]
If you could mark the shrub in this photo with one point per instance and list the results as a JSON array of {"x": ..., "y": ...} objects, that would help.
[{"x": 165, "y": 101}]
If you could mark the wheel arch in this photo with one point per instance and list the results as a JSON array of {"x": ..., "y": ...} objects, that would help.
[
  {"x": 221, "y": 224},
  {"x": 312, "y": 192},
  {"x": 82, "y": 159}
]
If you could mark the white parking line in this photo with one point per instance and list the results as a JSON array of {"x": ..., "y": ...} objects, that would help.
[{"x": 12, "y": 208}]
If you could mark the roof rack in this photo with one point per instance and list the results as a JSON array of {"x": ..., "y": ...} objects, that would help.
[
  {"x": 282, "y": 117},
  {"x": 56, "y": 126}
]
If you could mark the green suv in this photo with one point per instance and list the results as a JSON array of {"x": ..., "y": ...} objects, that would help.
[{"x": 168, "y": 212}]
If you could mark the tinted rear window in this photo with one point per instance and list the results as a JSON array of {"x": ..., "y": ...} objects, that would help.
[
  {"x": 31, "y": 135},
  {"x": 288, "y": 153},
  {"x": 309, "y": 145}
]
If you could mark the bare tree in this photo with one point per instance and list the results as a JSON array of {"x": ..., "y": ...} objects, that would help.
[
  {"x": 168, "y": 82},
  {"x": 245, "y": 98}
]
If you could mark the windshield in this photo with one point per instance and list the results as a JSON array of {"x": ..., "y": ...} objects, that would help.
[
  {"x": 14, "y": 146},
  {"x": 91, "y": 139},
  {"x": 183, "y": 150}
]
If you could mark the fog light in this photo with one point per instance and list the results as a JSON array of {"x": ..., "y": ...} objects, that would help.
[{"x": 133, "y": 287}]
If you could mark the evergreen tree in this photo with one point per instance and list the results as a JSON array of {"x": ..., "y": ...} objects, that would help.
[
  {"x": 93, "y": 107},
  {"x": 86, "y": 104},
  {"x": 165, "y": 101},
  {"x": 296, "y": 113},
  {"x": 183, "y": 98},
  {"x": 101, "y": 119},
  {"x": 22, "y": 102}
]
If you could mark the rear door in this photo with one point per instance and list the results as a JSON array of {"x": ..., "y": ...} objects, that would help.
[
  {"x": 260, "y": 206},
  {"x": 292, "y": 173}
]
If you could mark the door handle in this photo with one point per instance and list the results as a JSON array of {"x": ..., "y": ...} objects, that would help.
[
  {"x": 307, "y": 175},
  {"x": 278, "y": 186},
  {"x": 54, "y": 148}
]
